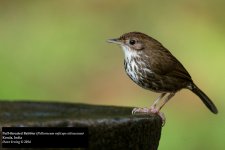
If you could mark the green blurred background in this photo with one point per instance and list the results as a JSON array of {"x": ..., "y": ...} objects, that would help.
[{"x": 57, "y": 51}]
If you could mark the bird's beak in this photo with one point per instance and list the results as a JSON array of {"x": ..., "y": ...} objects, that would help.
[{"x": 116, "y": 41}]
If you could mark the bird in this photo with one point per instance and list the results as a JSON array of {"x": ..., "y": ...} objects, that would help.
[{"x": 153, "y": 67}]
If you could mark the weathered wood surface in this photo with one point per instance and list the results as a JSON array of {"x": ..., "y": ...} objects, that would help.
[{"x": 110, "y": 127}]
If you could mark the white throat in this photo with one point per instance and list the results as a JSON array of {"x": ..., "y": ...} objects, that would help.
[
  {"x": 135, "y": 66},
  {"x": 129, "y": 53},
  {"x": 131, "y": 64}
]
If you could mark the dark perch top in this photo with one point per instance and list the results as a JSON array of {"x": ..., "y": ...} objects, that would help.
[{"x": 110, "y": 127}]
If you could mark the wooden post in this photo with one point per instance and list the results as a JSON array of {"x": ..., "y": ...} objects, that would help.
[{"x": 110, "y": 127}]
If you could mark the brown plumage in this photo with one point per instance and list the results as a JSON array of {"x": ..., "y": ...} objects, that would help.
[{"x": 150, "y": 65}]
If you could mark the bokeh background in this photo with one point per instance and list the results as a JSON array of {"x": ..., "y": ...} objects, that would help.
[{"x": 57, "y": 51}]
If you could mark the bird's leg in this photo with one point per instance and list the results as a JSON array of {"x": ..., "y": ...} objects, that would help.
[
  {"x": 151, "y": 109},
  {"x": 157, "y": 110},
  {"x": 166, "y": 100}
]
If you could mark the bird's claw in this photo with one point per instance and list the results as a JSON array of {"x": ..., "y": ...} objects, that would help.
[
  {"x": 141, "y": 111},
  {"x": 149, "y": 111}
]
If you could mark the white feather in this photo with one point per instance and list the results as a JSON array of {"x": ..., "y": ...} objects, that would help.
[{"x": 129, "y": 55}]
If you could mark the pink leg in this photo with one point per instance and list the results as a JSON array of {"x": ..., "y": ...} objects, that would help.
[
  {"x": 166, "y": 100},
  {"x": 156, "y": 102},
  {"x": 158, "y": 109},
  {"x": 154, "y": 110},
  {"x": 147, "y": 110}
]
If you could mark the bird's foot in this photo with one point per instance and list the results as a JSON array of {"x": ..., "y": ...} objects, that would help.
[
  {"x": 144, "y": 110},
  {"x": 161, "y": 114},
  {"x": 148, "y": 111}
]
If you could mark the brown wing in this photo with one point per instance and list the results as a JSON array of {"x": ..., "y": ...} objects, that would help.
[{"x": 164, "y": 63}]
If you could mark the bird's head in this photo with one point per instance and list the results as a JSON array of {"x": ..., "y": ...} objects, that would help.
[{"x": 135, "y": 42}]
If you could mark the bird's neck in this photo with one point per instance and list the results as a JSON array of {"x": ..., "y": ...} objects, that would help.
[{"x": 129, "y": 54}]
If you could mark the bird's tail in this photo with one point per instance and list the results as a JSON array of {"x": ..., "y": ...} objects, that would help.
[{"x": 205, "y": 99}]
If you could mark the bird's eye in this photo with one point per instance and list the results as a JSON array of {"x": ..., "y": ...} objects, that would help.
[{"x": 132, "y": 42}]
